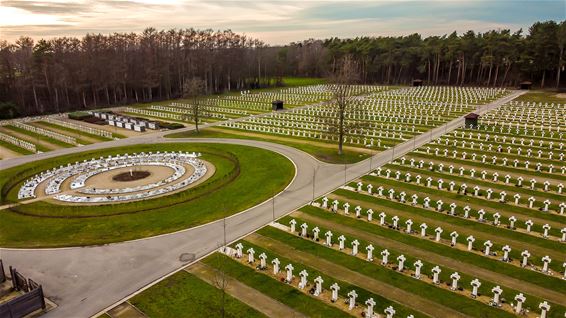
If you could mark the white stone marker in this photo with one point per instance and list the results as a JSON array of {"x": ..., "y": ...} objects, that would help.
[
  {"x": 262, "y": 260},
  {"x": 370, "y": 303},
  {"x": 418, "y": 265},
  {"x": 545, "y": 260},
  {"x": 529, "y": 224},
  {"x": 335, "y": 205},
  {"x": 525, "y": 254},
  {"x": 453, "y": 208},
  {"x": 324, "y": 202},
  {"x": 328, "y": 235},
  {"x": 239, "y": 250},
  {"x": 506, "y": 249},
  {"x": 303, "y": 282},
  {"x": 544, "y": 308},
  {"x": 408, "y": 224},
  {"x": 358, "y": 209},
  {"x": 545, "y": 229},
  {"x": 370, "y": 188},
  {"x": 414, "y": 197},
  {"x": 423, "y": 229},
  {"x": 315, "y": 233},
  {"x": 531, "y": 202},
  {"x": 512, "y": 220},
  {"x": 471, "y": 241},
  {"x": 520, "y": 299},
  {"x": 369, "y": 250},
  {"x": 401, "y": 259},
  {"x": 517, "y": 198},
  {"x": 475, "y": 285},
  {"x": 563, "y": 231},
  {"x": 251, "y": 253},
  {"x": 384, "y": 256},
  {"x": 389, "y": 312},
  {"x": 360, "y": 185},
  {"x": 454, "y": 236},
  {"x": 455, "y": 278},
  {"x": 341, "y": 240},
  {"x": 304, "y": 228},
  {"x": 318, "y": 285},
  {"x": 346, "y": 207},
  {"x": 497, "y": 291},
  {"x": 395, "y": 220},
  {"x": 487, "y": 244},
  {"x": 275, "y": 263},
  {"x": 382, "y": 216},
  {"x": 289, "y": 269},
  {"x": 564, "y": 265},
  {"x": 370, "y": 215},
  {"x": 438, "y": 231},
  {"x": 435, "y": 272},
  {"x": 355, "y": 245},
  {"x": 352, "y": 295},
  {"x": 335, "y": 288},
  {"x": 292, "y": 224}
]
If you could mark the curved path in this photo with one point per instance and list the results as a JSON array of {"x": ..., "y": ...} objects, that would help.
[{"x": 86, "y": 280}]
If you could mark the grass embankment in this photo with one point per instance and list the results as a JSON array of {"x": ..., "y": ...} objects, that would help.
[
  {"x": 185, "y": 295},
  {"x": 58, "y": 227}
]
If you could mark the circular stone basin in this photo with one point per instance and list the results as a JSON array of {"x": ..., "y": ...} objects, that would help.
[{"x": 131, "y": 176}]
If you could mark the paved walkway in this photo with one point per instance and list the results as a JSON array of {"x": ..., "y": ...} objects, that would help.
[{"x": 86, "y": 280}]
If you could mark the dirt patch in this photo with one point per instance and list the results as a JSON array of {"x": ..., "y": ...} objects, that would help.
[
  {"x": 561, "y": 95},
  {"x": 131, "y": 176}
]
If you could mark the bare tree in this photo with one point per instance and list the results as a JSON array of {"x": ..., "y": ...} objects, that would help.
[
  {"x": 192, "y": 89},
  {"x": 344, "y": 100}
]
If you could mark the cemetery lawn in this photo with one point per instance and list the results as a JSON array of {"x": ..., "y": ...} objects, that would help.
[
  {"x": 234, "y": 187},
  {"x": 185, "y": 295},
  {"x": 15, "y": 148},
  {"x": 75, "y": 132},
  {"x": 326, "y": 154},
  {"x": 441, "y": 296},
  {"x": 40, "y": 137},
  {"x": 282, "y": 292},
  {"x": 542, "y": 96},
  {"x": 302, "y": 81}
]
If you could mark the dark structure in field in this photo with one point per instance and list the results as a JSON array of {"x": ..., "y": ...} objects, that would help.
[
  {"x": 417, "y": 83},
  {"x": 526, "y": 85},
  {"x": 277, "y": 105},
  {"x": 471, "y": 120}
]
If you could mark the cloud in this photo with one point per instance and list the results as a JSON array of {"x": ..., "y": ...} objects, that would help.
[{"x": 275, "y": 22}]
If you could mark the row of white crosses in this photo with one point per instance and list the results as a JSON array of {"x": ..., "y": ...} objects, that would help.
[
  {"x": 489, "y": 193},
  {"x": 465, "y": 95},
  {"x": 79, "y": 127},
  {"x": 506, "y": 249},
  {"x": 17, "y": 142},
  {"x": 481, "y": 213},
  {"x": 216, "y": 109},
  {"x": 514, "y": 142},
  {"x": 153, "y": 113},
  {"x": 418, "y": 264},
  {"x": 208, "y": 112},
  {"x": 303, "y": 280},
  {"x": 46, "y": 132},
  {"x": 472, "y": 173},
  {"x": 495, "y": 160}
]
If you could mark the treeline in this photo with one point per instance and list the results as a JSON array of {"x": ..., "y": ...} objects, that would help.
[
  {"x": 495, "y": 58},
  {"x": 97, "y": 70}
]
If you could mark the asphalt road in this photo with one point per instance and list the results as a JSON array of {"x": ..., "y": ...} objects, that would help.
[{"x": 86, "y": 280}]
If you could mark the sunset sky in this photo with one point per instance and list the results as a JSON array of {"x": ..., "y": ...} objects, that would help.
[{"x": 275, "y": 22}]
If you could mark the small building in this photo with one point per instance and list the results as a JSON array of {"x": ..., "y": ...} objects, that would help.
[
  {"x": 417, "y": 83},
  {"x": 525, "y": 85},
  {"x": 277, "y": 105},
  {"x": 471, "y": 120}
]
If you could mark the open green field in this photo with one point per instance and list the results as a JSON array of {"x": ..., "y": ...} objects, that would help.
[{"x": 227, "y": 192}]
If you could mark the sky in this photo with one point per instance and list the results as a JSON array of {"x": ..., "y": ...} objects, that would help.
[{"x": 275, "y": 21}]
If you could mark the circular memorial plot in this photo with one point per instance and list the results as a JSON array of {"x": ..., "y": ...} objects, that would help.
[
  {"x": 119, "y": 178},
  {"x": 131, "y": 192}
]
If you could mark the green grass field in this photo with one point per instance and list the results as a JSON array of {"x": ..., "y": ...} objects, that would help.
[
  {"x": 185, "y": 295},
  {"x": 55, "y": 225},
  {"x": 542, "y": 96}
]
